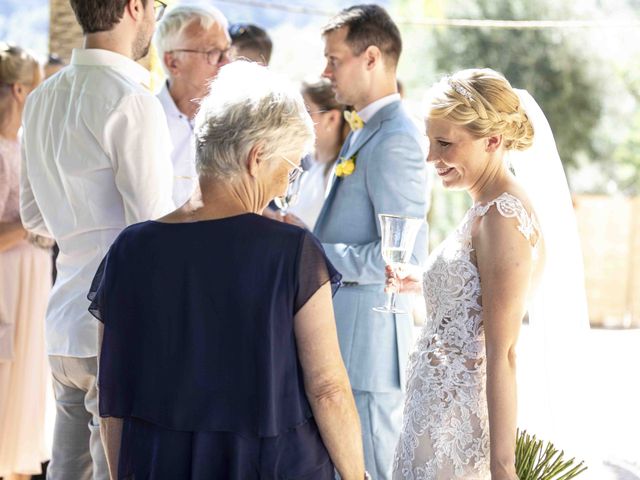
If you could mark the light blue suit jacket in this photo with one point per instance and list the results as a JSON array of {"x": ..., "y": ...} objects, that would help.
[{"x": 390, "y": 177}]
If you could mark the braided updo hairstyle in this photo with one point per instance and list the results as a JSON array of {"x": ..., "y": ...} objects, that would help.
[{"x": 482, "y": 101}]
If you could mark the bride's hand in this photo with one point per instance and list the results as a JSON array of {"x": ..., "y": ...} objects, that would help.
[{"x": 404, "y": 279}]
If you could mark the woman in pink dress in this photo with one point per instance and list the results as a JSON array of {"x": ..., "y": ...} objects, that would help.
[{"x": 25, "y": 281}]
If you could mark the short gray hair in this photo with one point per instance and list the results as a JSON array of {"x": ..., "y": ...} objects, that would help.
[
  {"x": 170, "y": 29},
  {"x": 249, "y": 105}
]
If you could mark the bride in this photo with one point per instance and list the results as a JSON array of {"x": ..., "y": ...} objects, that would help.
[{"x": 460, "y": 414}]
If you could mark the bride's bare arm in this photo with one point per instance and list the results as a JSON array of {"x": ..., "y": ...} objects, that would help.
[{"x": 505, "y": 263}]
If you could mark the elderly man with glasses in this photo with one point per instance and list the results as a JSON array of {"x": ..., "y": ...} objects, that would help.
[{"x": 192, "y": 43}]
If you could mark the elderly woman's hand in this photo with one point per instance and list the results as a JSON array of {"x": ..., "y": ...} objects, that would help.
[{"x": 403, "y": 279}]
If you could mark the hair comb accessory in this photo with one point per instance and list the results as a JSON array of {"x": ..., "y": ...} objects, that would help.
[{"x": 460, "y": 89}]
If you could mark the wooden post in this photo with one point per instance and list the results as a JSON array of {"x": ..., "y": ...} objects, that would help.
[{"x": 64, "y": 32}]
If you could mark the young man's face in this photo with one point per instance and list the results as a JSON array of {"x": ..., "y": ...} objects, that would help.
[{"x": 346, "y": 71}]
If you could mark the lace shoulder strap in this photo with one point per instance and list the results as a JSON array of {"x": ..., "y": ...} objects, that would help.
[{"x": 511, "y": 207}]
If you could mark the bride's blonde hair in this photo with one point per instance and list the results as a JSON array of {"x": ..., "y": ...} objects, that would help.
[{"x": 482, "y": 101}]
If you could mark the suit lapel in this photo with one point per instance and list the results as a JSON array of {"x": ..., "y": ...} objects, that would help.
[
  {"x": 366, "y": 133},
  {"x": 348, "y": 150},
  {"x": 343, "y": 154},
  {"x": 333, "y": 181}
]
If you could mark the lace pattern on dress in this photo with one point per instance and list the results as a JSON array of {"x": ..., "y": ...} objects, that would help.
[{"x": 445, "y": 432}]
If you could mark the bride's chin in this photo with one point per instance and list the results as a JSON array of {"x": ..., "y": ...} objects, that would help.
[{"x": 452, "y": 185}]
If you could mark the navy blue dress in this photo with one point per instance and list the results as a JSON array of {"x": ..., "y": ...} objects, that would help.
[{"x": 199, "y": 356}]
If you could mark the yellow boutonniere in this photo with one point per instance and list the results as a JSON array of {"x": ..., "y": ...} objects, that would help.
[
  {"x": 353, "y": 119},
  {"x": 346, "y": 166}
]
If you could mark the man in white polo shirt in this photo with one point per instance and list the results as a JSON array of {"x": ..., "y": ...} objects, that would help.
[
  {"x": 192, "y": 43},
  {"x": 95, "y": 159}
]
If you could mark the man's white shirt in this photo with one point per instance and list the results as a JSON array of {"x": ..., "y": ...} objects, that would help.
[
  {"x": 365, "y": 114},
  {"x": 95, "y": 159},
  {"x": 183, "y": 156},
  {"x": 370, "y": 110}
]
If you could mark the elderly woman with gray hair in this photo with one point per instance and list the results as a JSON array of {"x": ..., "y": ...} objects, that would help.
[{"x": 219, "y": 354}]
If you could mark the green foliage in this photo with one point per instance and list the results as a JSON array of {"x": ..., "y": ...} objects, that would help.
[
  {"x": 626, "y": 160},
  {"x": 549, "y": 64},
  {"x": 536, "y": 460}
]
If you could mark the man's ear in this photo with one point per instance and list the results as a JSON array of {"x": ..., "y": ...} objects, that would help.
[
  {"x": 373, "y": 56},
  {"x": 493, "y": 143},
  {"x": 255, "y": 160},
  {"x": 171, "y": 62},
  {"x": 135, "y": 9}
]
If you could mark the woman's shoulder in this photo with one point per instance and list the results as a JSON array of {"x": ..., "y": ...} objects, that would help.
[
  {"x": 512, "y": 208},
  {"x": 276, "y": 228},
  {"x": 256, "y": 226}
]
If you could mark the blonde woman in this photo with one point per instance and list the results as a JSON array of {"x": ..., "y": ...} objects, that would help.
[
  {"x": 25, "y": 280},
  {"x": 460, "y": 410}
]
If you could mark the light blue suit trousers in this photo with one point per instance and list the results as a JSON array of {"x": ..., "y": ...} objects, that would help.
[{"x": 390, "y": 177}]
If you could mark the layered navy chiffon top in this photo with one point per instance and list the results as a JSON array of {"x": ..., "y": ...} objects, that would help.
[{"x": 199, "y": 354}]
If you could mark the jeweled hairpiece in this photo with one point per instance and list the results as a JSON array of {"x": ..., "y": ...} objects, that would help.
[{"x": 460, "y": 89}]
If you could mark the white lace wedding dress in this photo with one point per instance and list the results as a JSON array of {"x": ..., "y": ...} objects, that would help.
[{"x": 445, "y": 432}]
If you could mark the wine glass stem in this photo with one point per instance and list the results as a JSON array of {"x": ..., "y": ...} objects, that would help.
[{"x": 391, "y": 301}]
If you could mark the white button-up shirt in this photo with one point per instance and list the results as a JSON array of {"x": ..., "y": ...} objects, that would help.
[
  {"x": 370, "y": 110},
  {"x": 95, "y": 159},
  {"x": 183, "y": 156},
  {"x": 365, "y": 114}
]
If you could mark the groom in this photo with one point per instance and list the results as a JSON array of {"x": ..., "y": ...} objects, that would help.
[{"x": 382, "y": 170}]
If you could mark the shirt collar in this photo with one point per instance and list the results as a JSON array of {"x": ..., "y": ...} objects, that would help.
[
  {"x": 167, "y": 101},
  {"x": 169, "y": 105},
  {"x": 370, "y": 110},
  {"x": 108, "y": 58}
]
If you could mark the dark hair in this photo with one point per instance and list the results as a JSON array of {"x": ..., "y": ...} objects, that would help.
[
  {"x": 320, "y": 93},
  {"x": 99, "y": 15},
  {"x": 251, "y": 37},
  {"x": 368, "y": 25},
  {"x": 54, "y": 59}
]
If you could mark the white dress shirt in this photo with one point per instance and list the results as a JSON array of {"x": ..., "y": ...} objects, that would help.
[
  {"x": 183, "y": 156},
  {"x": 311, "y": 196},
  {"x": 95, "y": 159},
  {"x": 370, "y": 110},
  {"x": 365, "y": 114}
]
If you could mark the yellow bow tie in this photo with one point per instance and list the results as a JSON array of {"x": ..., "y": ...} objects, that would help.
[{"x": 354, "y": 120}]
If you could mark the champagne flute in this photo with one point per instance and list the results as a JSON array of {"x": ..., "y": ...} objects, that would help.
[
  {"x": 398, "y": 238},
  {"x": 284, "y": 202}
]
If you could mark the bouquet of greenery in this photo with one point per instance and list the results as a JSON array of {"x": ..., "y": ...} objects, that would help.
[{"x": 538, "y": 460}]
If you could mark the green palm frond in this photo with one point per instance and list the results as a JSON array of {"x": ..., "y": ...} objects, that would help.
[{"x": 538, "y": 460}]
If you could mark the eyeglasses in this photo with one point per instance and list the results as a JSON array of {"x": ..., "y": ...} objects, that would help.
[
  {"x": 297, "y": 171},
  {"x": 214, "y": 56},
  {"x": 159, "y": 7}
]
